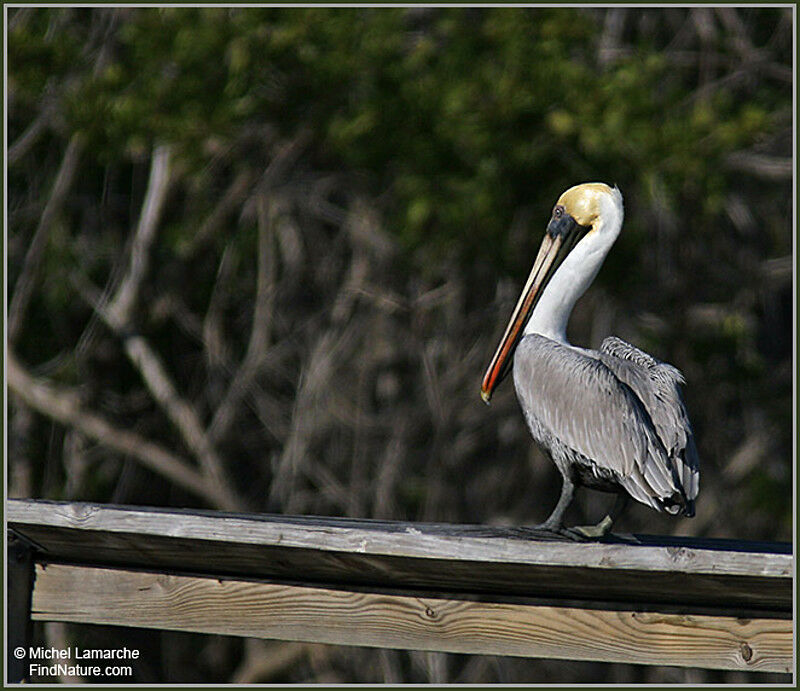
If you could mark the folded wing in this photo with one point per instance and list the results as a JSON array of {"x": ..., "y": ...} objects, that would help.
[
  {"x": 657, "y": 385},
  {"x": 623, "y": 416}
]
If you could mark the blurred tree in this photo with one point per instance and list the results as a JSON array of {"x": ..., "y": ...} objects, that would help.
[{"x": 253, "y": 258}]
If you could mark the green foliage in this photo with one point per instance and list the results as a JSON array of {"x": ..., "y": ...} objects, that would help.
[{"x": 463, "y": 118}]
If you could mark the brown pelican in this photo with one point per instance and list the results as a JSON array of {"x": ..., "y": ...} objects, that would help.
[{"x": 612, "y": 419}]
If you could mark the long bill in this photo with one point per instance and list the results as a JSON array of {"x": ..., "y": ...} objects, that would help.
[{"x": 551, "y": 253}]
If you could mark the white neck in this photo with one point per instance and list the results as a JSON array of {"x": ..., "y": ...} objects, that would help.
[{"x": 576, "y": 274}]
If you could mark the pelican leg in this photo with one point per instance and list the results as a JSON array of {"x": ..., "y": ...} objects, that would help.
[
  {"x": 588, "y": 532},
  {"x": 555, "y": 521},
  {"x": 553, "y": 527}
]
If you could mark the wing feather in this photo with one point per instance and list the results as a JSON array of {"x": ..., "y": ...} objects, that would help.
[
  {"x": 657, "y": 385},
  {"x": 580, "y": 400}
]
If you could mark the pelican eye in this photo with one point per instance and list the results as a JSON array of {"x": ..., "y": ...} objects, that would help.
[{"x": 558, "y": 212}]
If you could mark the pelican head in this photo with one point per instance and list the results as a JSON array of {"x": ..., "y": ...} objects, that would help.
[{"x": 585, "y": 222}]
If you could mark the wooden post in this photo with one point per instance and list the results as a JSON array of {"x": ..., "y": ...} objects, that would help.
[{"x": 20, "y": 591}]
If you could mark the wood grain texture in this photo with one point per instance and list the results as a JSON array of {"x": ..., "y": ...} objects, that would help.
[
  {"x": 749, "y": 579},
  {"x": 329, "y": 615}
]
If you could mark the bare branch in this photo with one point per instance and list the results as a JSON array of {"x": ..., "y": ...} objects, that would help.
[
  {"x": 55, "y": 633},
  {"x": 20, "y": 475},
  {"x": 28, "y": 138},
  {"x": 216, "y": 350},
  {"x": 319, "y": 370},
  {"x": 777, "y": 71},
  {"x": 233, "y": 196},
  {"x": 181, "y": 414},
  {"x": 75, "y": 462},
  {"x": 390, "y": 471},
  {"x": 64, "y": 406},
  {"x": 119, "y": 311},
  {"x": 19, "y": 18},
  {"x": 750, "y": 454},
  {"x": 23, "y": 290},
  {"x": 706, "y": 30},
  {"x": 761, "y": 165},
  {"x": 733, "y": 23},
  {"x": 118, "y": 315},
  {"x": 609, "y": 44},
  {"x": 778, "y": 270},
  {"x": 262, "y": 317},
  {"x": 262, "y": 661}
]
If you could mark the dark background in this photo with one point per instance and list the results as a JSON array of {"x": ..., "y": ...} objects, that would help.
[{"x": 314, "y": 225}]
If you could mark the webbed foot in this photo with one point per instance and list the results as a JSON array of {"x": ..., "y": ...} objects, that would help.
[{"x": 584, "y": 533}]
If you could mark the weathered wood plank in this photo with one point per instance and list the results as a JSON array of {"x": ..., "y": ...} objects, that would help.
[
  {"x": 328, "y": 615},
  {"x": 749, "y": 579}
]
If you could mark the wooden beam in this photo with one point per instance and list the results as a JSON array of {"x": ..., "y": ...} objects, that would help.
[
  {"x": 330, "y": 615},
  {"x": 687, "y": 575}
]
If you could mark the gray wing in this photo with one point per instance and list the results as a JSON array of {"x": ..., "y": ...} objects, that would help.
[
  {"x": 657, "y": 385},
  {"x": 573, "y": 397}
]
